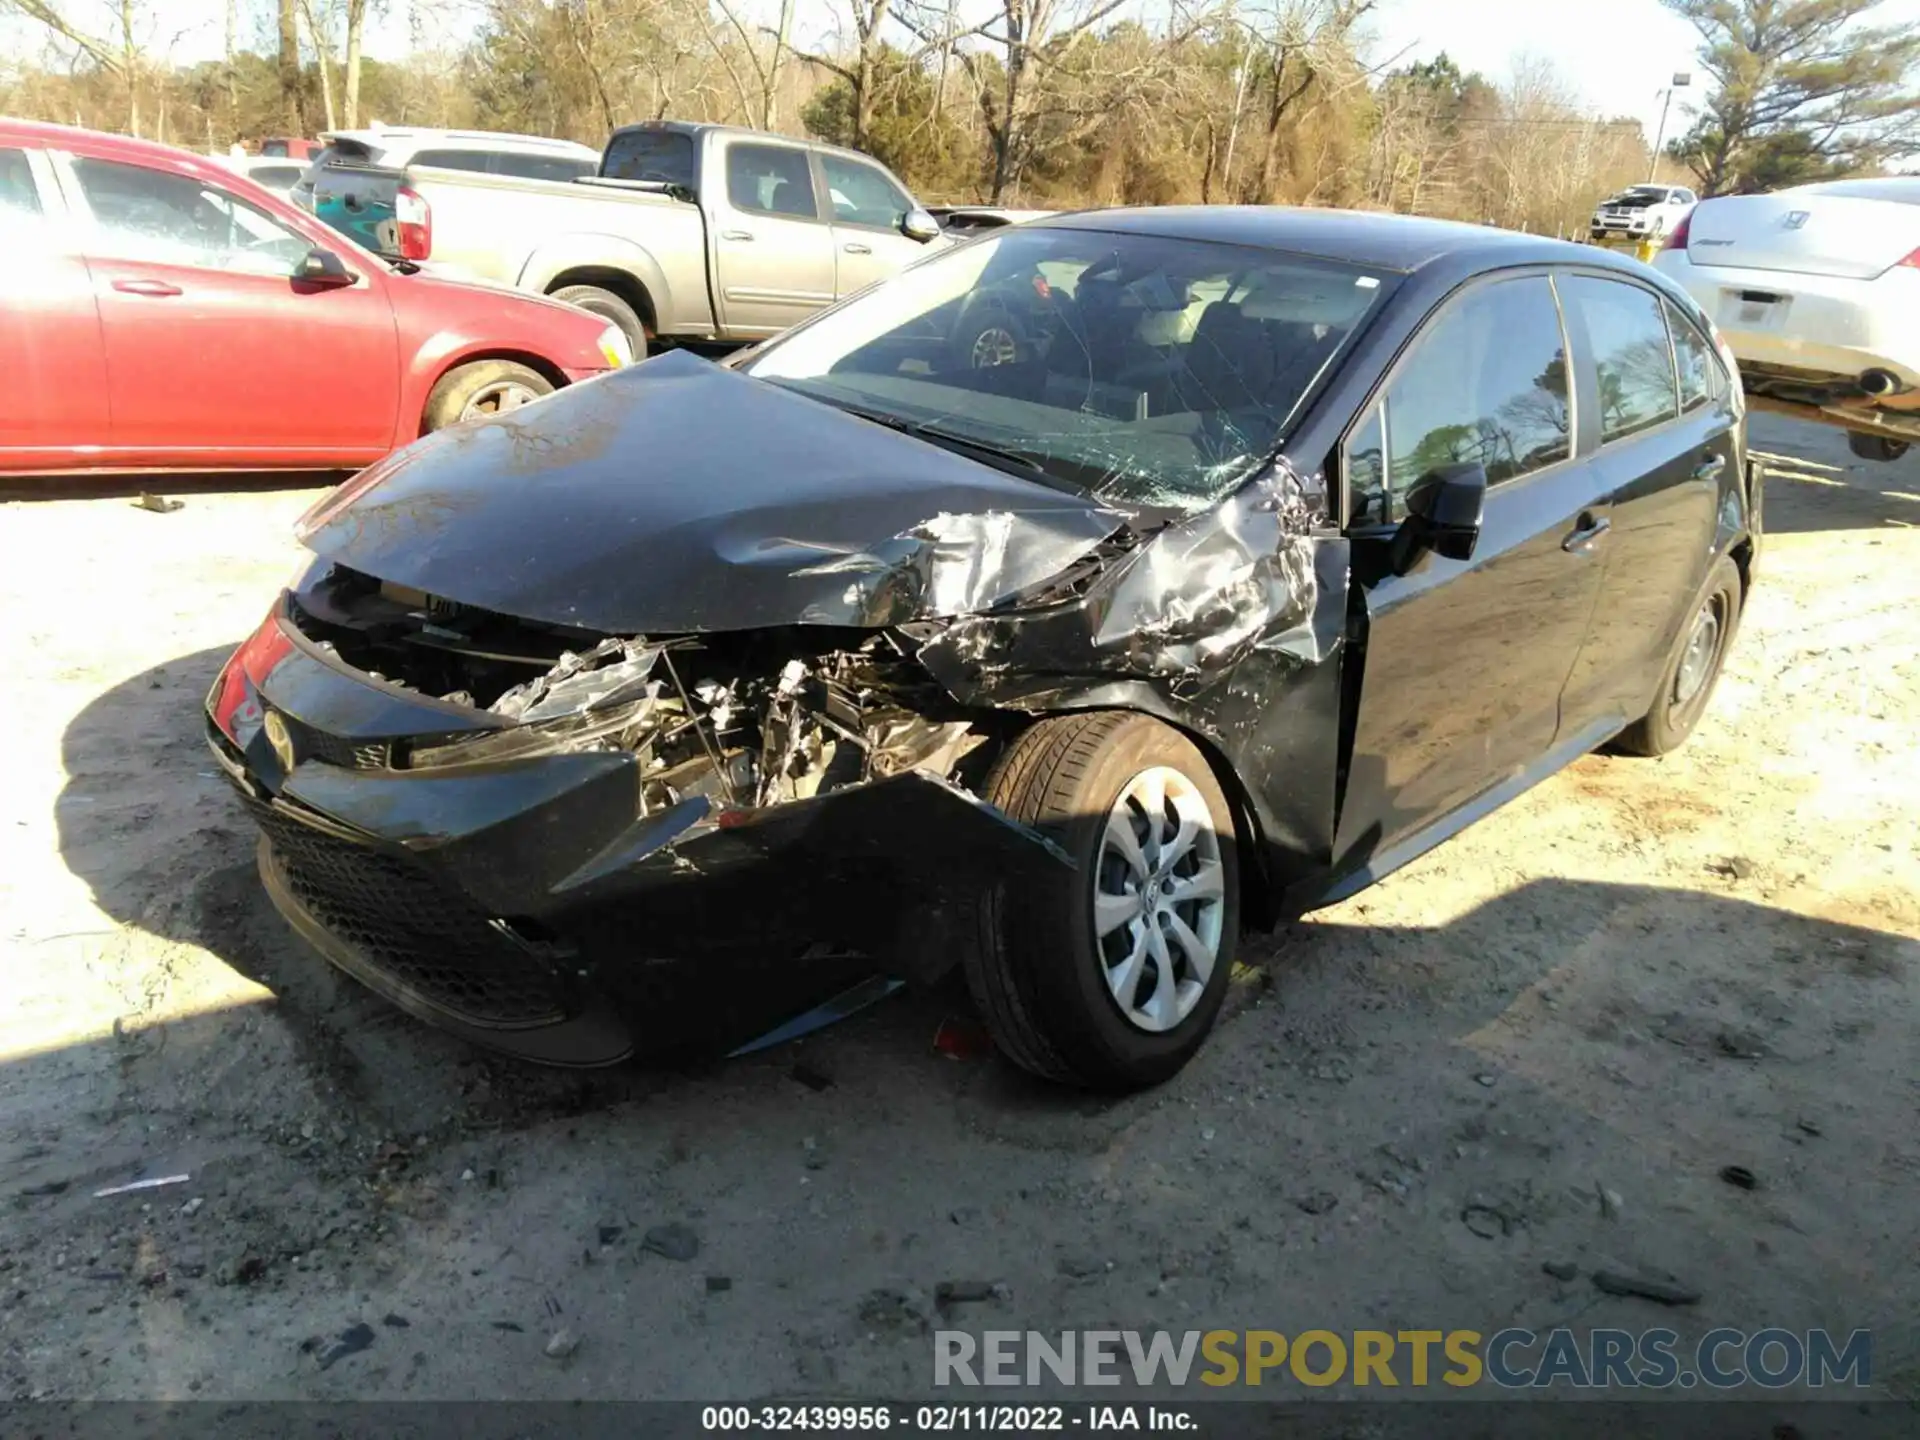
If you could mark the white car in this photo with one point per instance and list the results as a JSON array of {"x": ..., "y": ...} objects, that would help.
[
  {"x": 271, "y": 172},
  {"x": 1642, "y": 212},
  {"x": 1816, "y": 291}
]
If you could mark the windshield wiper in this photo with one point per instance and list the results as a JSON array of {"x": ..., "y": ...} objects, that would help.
[{"x": 1014, "y": 461}]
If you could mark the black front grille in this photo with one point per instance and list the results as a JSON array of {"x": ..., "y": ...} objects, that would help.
[
  {"x": 312, "y": 744},
  {"x": 412, "y": 927}
]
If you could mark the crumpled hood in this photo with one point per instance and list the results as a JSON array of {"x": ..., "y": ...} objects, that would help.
[{"x": 678, "y": 495}]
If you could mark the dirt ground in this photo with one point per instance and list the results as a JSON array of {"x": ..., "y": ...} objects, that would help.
[{"x": 1640, "y": 973}]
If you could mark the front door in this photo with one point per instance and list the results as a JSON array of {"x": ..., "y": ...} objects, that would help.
[
  {"x": 52, "y": 367},
  {"x": 215, "y": 355},
  {"x": 1668, "y": 441},
  {"x": 1464, "y": 661},
  {"x": 773, "y": 249},
  {"x": 868, "y": 210}
]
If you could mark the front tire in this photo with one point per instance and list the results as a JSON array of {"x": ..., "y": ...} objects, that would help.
[
  {"x": 1109, "y": 975},
  {"x": 1687, "y": 684},
  {"x": 481, "y": 389}
]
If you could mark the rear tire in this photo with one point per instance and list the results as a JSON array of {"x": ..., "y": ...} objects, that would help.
[
  {"x": 1876, "y": 447},
  {"x": 1687, "y": 683},
  {"x": 1047, "y": 983},
  {"x": 480, "y": 389},
  {"x": 611, "y": 308}
]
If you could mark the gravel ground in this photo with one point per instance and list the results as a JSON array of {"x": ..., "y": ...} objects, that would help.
[{"x": 1572, "y": 1017}]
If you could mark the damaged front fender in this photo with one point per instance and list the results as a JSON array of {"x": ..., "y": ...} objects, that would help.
[{"x": 1229, "y": 624}]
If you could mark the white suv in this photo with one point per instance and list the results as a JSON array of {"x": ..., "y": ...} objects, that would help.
[{"x": 1644, "y": 212}]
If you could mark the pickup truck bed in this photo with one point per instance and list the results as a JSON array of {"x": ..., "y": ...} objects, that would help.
[{"x": 732, "y": 235}]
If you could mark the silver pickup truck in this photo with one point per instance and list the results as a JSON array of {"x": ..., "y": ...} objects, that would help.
[{"x": 688, "y": 232}]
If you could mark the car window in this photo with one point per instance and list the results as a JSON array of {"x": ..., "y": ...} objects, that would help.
[
  {"x": 1685, "y": 197},
  {"x": 142, "y": 214},
  {"x": 348, "y": 152},
  {"x": 275, "y": 177},
  {"x": 1164, "y": 376},
  {"x": 1366, "y": 467},
  {"x": 1485, "y": 382},
  {"x": 453, "y": 159},
  {"x": 1701, "y": 376},
  {"x": 1627, "y": 337},
  {"x": 770, "y": 180},
  {"x": 659, "y": 157},
  {"x": 863, "y": 195},
  {"x": 19, "y": 197},
  {"x": 543, "y": 167}
]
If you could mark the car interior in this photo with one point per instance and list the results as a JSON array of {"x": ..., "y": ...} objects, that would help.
[
  {"x": 1198, "y": 367},
  {"x": 168, "y": 219}
]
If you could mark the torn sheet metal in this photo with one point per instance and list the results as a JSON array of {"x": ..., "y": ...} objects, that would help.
[
  {"x": 1185, "y": 606},
  {"x": 591, "y": 681},
  {"x": 870, "y": 991}
]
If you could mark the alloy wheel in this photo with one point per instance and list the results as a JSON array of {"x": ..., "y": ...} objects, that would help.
[
  {"x": 994, "y": 345},
  {"x": 497, "y": 399}
]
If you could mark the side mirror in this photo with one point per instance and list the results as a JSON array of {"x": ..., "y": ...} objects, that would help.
[
  {"x": 323, "y": 267},
  {"x": 921, "y": 226},
  {"x": 1444, "y": 511}
]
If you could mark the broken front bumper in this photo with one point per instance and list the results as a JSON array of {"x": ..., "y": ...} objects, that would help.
[{"x": 537, "y": 906}]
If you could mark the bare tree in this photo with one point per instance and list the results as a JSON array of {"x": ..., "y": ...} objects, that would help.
[
  {"x": 287, "y": 24},
  {"x": 117, "y": 53},
  {"x": 320, "y": 38},
  {"x": 356, "y": 25}
]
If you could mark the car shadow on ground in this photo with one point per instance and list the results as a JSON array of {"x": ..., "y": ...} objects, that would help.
[
  {"x": 187, "y": 877},
  {"x": 1814, "y": 483},
  {"x": 185, "y": 486}
]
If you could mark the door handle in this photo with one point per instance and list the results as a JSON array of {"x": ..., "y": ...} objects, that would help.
[
  {"x": 736, "y": 234},
  {"x": 157, "y": 289},
  {"x": 1709, "y": 467},
  {"x": 1587, "y": 533},
  {"x": 854, "y": 247}
]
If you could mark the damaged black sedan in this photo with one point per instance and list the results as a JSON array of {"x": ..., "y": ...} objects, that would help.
[{"x": 1057, "y": 609}]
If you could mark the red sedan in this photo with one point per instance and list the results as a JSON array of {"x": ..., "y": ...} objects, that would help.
[{"x": 159, "y": 311}]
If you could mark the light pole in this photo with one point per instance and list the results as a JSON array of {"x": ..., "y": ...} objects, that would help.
[{"x": 1681, "y": 79}]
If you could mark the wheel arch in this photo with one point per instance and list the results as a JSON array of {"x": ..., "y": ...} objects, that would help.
[
  {"x": 1260, "y": 892},
  {"x": 615, "y": 281},
  {"x": 539, "y": 364}
]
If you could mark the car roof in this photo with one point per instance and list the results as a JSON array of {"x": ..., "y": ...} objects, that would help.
[
  {"x": 1901, "y": 189},
  {"x": 1375, "y": 239},
  {"x": 701, "y": 127},
  {"x": 382, "y": 135}
]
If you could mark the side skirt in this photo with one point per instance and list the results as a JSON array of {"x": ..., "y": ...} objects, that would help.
[{"x": 1322, "y": 891}]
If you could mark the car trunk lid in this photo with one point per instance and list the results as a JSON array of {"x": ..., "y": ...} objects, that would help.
[{"x": 1810, "y": 234}]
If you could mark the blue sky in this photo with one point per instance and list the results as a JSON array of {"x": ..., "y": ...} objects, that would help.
[{"x": 1617, "y": 54}]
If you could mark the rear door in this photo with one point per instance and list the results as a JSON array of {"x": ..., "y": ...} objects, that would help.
[
  {"x": 1464, "y": 661},
  {"x": 1668, "y": 441},
  {"x": 214, "y": 354},
  {"x": 52, "y": 363},
  {"x": 773, "y": 248},
  {"x": 869, "y": 207}
]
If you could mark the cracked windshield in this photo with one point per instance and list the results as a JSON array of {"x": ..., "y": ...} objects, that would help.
[{"x": 1147, "y": 371}]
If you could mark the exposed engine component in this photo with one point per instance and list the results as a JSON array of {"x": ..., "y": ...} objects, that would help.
[{"x": 747, "y": 720}]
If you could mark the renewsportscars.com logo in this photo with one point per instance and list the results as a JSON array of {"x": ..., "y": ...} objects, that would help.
[{"x": 1514, "y": 1359}]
